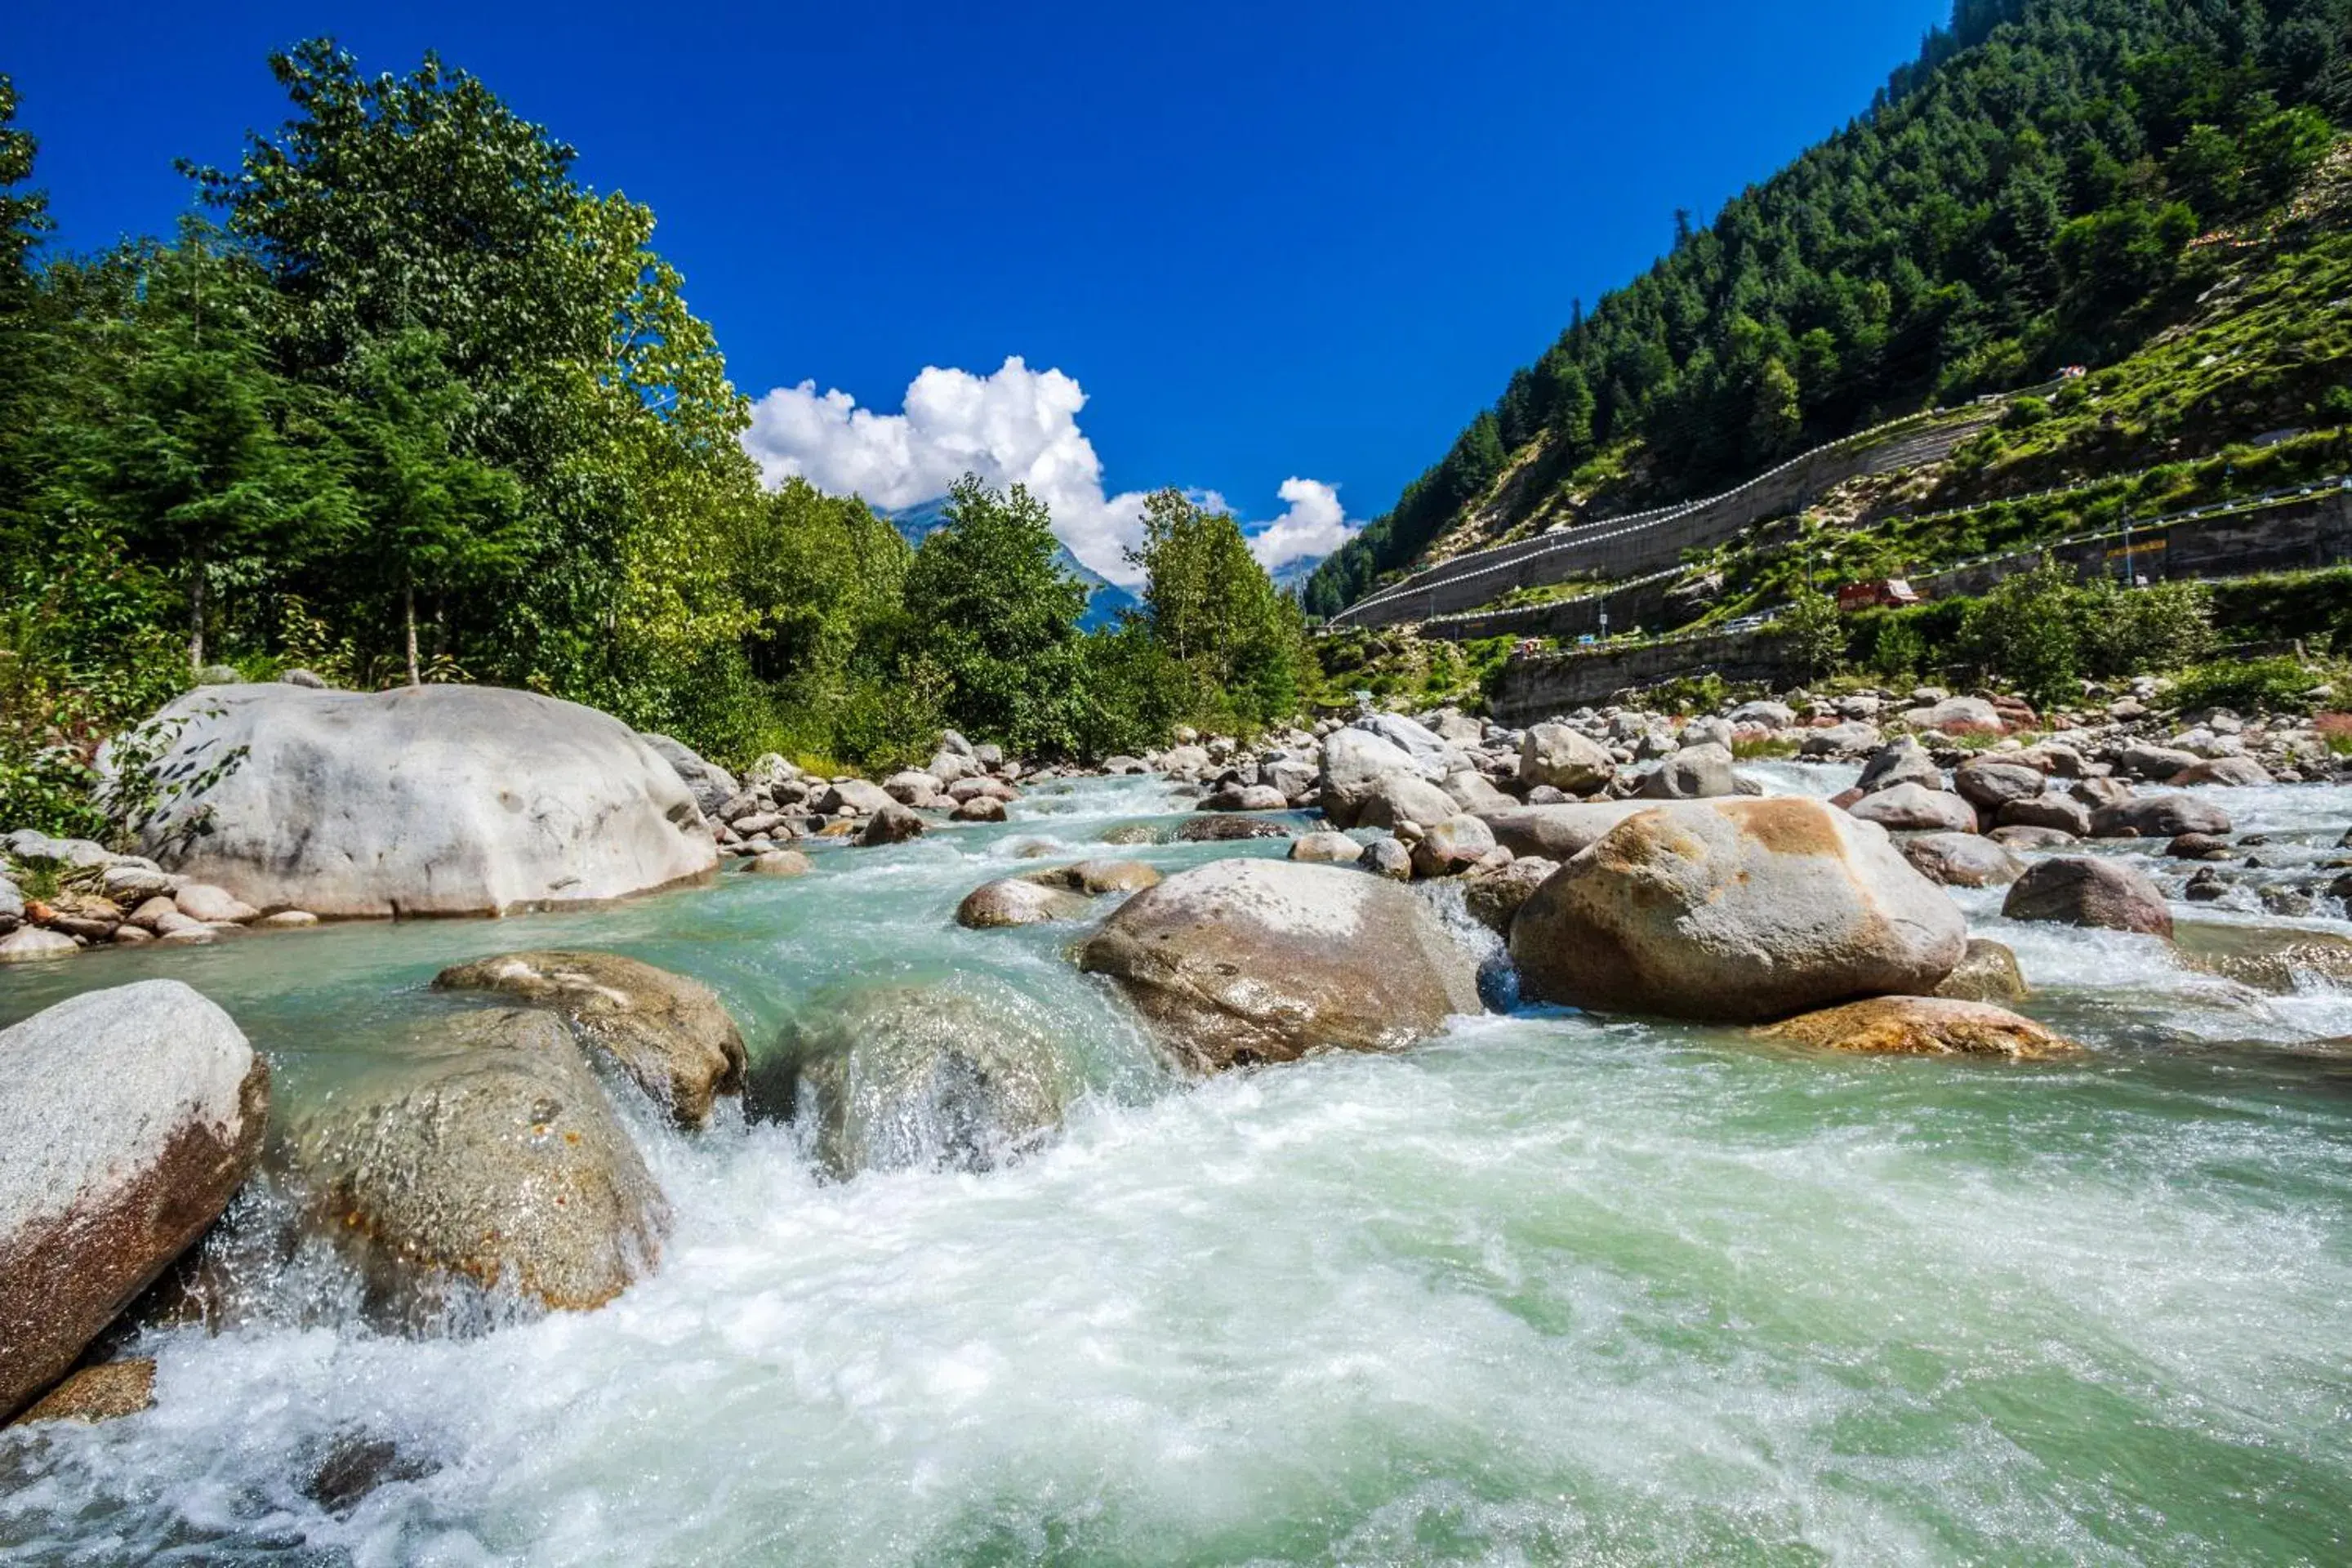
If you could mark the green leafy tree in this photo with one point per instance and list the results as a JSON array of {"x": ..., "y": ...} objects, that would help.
[
  {"x": 990, "y": 605},
  {"x": 1213, "y": 608},
  {"x": 432, "y": 518},
  {"x": 1815, "y": 634},
  {"x": 2028, "y": 630}
]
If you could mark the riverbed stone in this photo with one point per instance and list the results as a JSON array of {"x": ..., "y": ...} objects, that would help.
[
  {"x": 1097, "y": 877},
  {"x": 2077, "y": 889},
  {"x": 1402, "y": 798},
  {"x": 1962, "y": 860},
  {"x": 1910, "y": 807},
  {"x": 670, "y": 1034},
  {"x": 434, "y": 800},
  {"x": 107, "y": 1392},
  {"x": 486, "y": 1159},
  {"x": 711, "y": 785},
  {"x": 1326, "y": 849},
  {"x": 31, "y": 944},
  {"x": 2060, "y": 812},
  {"x": 1737, "y": 910},
  {"x": 1900, "y": 762},
  {"x": 1695, "y": 772},
  {"x": 1988, "y": 971},
  {"x": 1564, "y": 759},
  {"x": 891, "y": 823},
  {"x": 1249, "y": 961},
  {"x": 214, "y": 905},
  {"x": 1226, "y": 829},
  {"x": 2235, "y": 773},
  {"x": 1452, "y": 846},
  {"x": 129, "y": 1117},
  {"x": 1386, "y": 858},
  {"x": 961, "y": 1077},
  {"x": 1923, "y": 1026},
  {"x": 1989, "y": 786},
  {"x": 1560, "y": 831},
  {"x": 2282, "y": 961},
  {"x": 1354, "y": 764},
  {"x": 1018, "y": 901},
  {"x": 1494, "y": 897},
  {"x": 780, "y": 863},
  {"x": 2160, "y": 816}
]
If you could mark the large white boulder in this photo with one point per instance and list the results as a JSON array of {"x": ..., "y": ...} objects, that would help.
[
  {"x": 1738, "y": 909},
  {"x": 1249, "y": 961},
  {"x": 128, "y": 1117},
  {"x": 1354, "y": 763},
  {"x": 436, "y": 800}
]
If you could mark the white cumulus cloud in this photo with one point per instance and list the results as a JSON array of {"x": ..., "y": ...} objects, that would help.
[{"x": 1014, "y": 426}]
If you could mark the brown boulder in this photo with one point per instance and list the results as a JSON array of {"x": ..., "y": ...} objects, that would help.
[
  {"x": 670, "y": 1034},
  {"x": 1962, "y": 860},
  {"x": 1988, "y": 971},
  {"x": 1018, "y": 901},
  {"x": 1736, "y": 910},
  {"x": 1249, "y": 961},
  {"x": 128, "y": 1118},
  {"x": 2073, "y": 889},
  {"x": 1923, "y": 1026}
]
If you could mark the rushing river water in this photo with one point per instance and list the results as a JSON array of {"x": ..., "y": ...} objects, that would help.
[{"x": 1550, "y": 1289}]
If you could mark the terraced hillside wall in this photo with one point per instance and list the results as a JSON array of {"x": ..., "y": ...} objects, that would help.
[{"x": 1649, "y": 542}]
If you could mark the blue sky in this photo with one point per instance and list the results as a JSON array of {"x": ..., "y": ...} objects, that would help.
[{"x": 1265, "y": 243}]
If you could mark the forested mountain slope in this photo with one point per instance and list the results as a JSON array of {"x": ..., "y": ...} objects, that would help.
[{"x": 2051, "y": 183}]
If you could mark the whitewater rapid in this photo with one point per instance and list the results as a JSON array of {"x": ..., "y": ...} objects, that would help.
[{"x": 1550, "y": 1289}]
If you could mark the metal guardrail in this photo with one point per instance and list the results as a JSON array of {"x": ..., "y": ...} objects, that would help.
[{"x": 1501, "y": 557}]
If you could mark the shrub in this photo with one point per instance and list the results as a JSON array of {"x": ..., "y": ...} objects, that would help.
[{"x": 2249, "y": 685}]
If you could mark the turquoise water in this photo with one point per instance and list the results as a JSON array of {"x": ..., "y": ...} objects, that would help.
[{"x": 1550, "y": 1289}]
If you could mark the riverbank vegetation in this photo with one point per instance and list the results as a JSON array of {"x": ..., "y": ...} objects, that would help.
[
  {"x": 407, "y": 401},
  {"x": 2052, "y": 183}
]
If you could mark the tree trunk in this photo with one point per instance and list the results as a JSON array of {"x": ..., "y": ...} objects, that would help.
[
  {"x": 408, "y": 608},
  {"x": 196, "y": 614}
]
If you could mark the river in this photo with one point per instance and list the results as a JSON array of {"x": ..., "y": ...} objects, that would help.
[{"x": 1550, "y": 1289}]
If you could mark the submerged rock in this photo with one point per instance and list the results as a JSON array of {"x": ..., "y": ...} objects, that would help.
[
  {"x": 128, "y": 1118},
  {"x": 1019, "y": 902},
  {"x": 1097, "y": 877},
  {"x": 778, "y": 863},
  {"x": 2283, "y": 961},
  {"x": 1962, "y": 860},
  {"x": 436, "y": 800},
  {"x": 1988, "y": 971},
  {"x": 928, "y": 1078},
  {"x": 1227, "y": 829},
  {"x": 107, "y": 1392},
  {"x": 2075, "y": 889},
  {"x": 490, "y": 1160},
  {"x": 1261, "y": 961},
  {"x": 670, "y": 1034},
  {"x": 1327, "y": 849},
  {"x": 1735, "y": 909},
  {"x": 1923, "y": 1026}
]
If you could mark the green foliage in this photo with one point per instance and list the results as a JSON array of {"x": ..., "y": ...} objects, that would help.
[
  {"x": 988, "y": 601},
  {"x": 2027, "y": 631},
  {"x": 1238, "y": 641},
  {"x": 1900, "y": 651},
  {"x": 2023, "y": 197},
  {"x": 2282, "y": 686},
  {"x": 1814, "y": 631}
]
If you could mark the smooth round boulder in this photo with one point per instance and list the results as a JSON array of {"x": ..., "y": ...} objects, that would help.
[
  {"x": 2054, "y": 812},
  {"x": 1327, "y": 849},
  {"x": 1097, "y": 877},
  {"x": 1452, "y": 846},
  {"x": 1250, "y": 961},
  {"x": 484, "y": 1161},
  {"x": 953, "y": 1077},
  {"x": 1987, "y": 972},
  {"x": 1695, "y": 772},
  {"x": 128, "y": 1118},
  {"x": 1568, "y": 762},
  {"x": 1915, "y": 808},
  {"x": 1018, "y": 901},
  {"x": 1923, "y": 1026},
  {"x": 1737, "y": 911},
  {"x": 433, "y": 800},
  {"x": 1962, "y": 860},
  {"x": 2032, "y": 838},
  {"x": 1387, "y": 858},
  {"x": 2160, "y": 816},
  {"x": 1494, "y": 898},
  {"x": 1227, "y": 829},
  {"x": 671, "y": 1035},
  {"x": 1400, "y": 798},
  {"x": 1989, "y": 786},
  {"x": 891, "y": 823},
  {"x": 2146, "y": 761},
  {"x": 979, "y": 808},
  {"x": 710, "y": 785},
  {"x": 2234, "y": 773},
  {"x": 778, "y": 863},
  {"x": 1900, "y": 762},
  {"x": 2077, "y": 889},
  {"x": 31, "y": 945},
  {"x": 1560, "y": 831},
  {"x": 1354, "y": 764}
]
